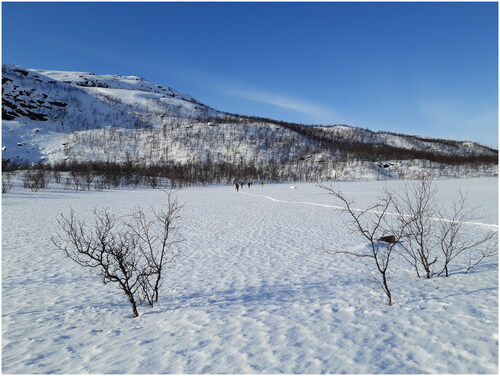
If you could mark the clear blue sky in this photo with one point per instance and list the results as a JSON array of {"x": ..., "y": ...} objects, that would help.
[{"x": 420, "y": 68}]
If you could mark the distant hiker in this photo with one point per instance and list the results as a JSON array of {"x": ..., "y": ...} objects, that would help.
[
  {"x": 249, "y": 184},
  {"x": 262, "y": 185},
  {"x": 237, "y": 187}
]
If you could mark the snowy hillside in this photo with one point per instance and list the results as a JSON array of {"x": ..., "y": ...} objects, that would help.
[
  {"x": 41, "y": 108},
  {"x": 76, "y": 117},
  {"x": 451, "y": 147}
]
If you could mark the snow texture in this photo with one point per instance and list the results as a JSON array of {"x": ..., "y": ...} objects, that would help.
[{"x": 253, "y": 292}]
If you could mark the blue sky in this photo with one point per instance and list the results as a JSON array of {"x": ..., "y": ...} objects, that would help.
[{"x": 429, "y": 69}]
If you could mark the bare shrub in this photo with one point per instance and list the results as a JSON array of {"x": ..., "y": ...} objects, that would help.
[
  {"x": 88, "y": 177},
  {"x": 131, "y": 251},
  {"x": 99, "y": 183},
  {"x": 453, "y": 241},
  {"x": 153, "y": 181},
  {"x": 36, "y": 179},
  {"x": 434, "y": 235},
  {"x": 475, "y": 258},
  {"x": 112, "y": 178},
  {"x": 57, "y": 176},
  {"x": 372, "y": 225},
  {"x": 6, "y": 182},
  {"x": 410, "y": 222},
  {"x": 101, "y": 247},
  {"x": 416, "y": 206},
  {"x": 76, "y": 180},
  {"x": 155, "y": 242}
]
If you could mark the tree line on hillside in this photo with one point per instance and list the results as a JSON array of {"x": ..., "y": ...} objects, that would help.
[
  {"x": 241, "y": 148},
  {"x": 260, "y": 142},
  {"x": 363, "y": 144},
  {"x": 103, "y": 175}
]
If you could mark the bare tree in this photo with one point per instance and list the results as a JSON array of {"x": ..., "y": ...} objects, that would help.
[
  {"x": 36, "y": 179},
  {"x": 88, "y": 177},
  {"x": 433, "y": 234},
  {"x": 373, "y": 225},
  {"x": 6, "y": 181},
  {"x": 416, "y": 207},
  {"x": 454, "y": 243},
  {"x": 57, "y": 176},
  {"x": 103, "y": 248},
  {"x": 153, "y": 181},
  {"x": 132, "y": 254},
  {"x": 76, "y": 177},
  {"x": 99, "y": 183},
  {"x": 156, "y": 241},
  {"x": 474, "y": 259}
]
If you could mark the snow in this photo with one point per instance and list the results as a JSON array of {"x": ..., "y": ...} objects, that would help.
[
  {"x": 253, "y": 292},
  {"x": 78, "y": 106},
  {"x": 124, "y": 102},
  {"x": 117, "y": 82}
]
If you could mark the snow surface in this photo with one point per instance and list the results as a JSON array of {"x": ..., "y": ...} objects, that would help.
[
  {"x": 112, "y": 81},
  {"x": 252, "y": 293}
]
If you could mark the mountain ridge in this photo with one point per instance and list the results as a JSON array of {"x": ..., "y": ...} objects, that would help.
[{"x": 54, "y": 116}]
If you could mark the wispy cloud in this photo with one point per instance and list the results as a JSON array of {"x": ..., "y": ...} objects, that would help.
[
  {"x": 237, "y": 88},
  {"x": 314, "y": 111}
]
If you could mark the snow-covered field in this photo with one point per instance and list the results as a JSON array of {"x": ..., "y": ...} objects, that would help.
[{"x": 252, "y": 293}]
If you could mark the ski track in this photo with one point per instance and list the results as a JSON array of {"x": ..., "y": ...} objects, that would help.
[
  {"x": 252, "y": 292},
  {"x": 486, "y": 225}
]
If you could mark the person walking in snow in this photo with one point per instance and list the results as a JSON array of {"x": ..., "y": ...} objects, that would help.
[{"x": 237, "y": 187}]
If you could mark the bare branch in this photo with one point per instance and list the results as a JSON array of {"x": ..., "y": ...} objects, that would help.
[
  {"x": 131, "y": 251},
  {"x": 372, "y": 224}
]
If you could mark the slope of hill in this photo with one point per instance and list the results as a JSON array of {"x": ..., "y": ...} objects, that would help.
[{"x": 76, "y": 117}]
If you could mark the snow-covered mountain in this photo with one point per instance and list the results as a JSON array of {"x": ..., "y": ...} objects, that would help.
[
  {"x": 40, "y": 109},
  {"x": 55, "y": 116}
]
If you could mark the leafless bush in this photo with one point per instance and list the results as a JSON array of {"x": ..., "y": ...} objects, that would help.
[
  {"x": 68, "y": 183},
  {"x": 105, "y": 249},
  {"x": 475, "y": 258},
  {"x": 36, "y": 179},
  {"x": 416, "y": 206},
  {"x": 76, "y": 180},
  {"x": 88, "y": 178},
  {"x": 131, "y": 251},
  {"x": 155, "y": 243},
  {"x": 372, "y": 225},
  {"x": 57, "y": 176},
  {"x": 6, "y": 182},
  {"x": 410, "y": 223},
  {"x": 153, "y": 181},
  {"x": 434, "y": 237},
  {"x": 453, "y": 241},
  {"x": 99, "y": 183}
]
